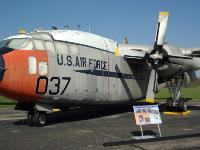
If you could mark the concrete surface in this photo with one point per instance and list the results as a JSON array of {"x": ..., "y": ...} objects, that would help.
[{"x": 94, "y": 128}]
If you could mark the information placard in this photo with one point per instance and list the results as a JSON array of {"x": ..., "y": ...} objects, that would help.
[{"x": 147, "y": 114}]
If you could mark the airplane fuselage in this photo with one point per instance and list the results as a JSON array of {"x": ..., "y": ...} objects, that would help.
[
  {"x": 72, "y": 72},
  {"x": 48, "y": 71}
]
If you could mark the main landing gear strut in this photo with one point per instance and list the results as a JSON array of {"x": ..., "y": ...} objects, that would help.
[
  {"x": 174, "y": 87},
  {"x": 37, "y": 118}
]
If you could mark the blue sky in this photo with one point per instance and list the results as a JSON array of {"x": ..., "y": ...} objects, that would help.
[{"x": 114, "y": 19}]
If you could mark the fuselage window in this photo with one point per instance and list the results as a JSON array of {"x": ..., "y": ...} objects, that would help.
[
  {"x": 39, "y": 45},
  {"x": 49, "y": 46},
  {"x": 62, "y": 47}
]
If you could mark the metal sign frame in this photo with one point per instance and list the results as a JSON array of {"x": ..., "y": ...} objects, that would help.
[{"x": 146, "y": 115}]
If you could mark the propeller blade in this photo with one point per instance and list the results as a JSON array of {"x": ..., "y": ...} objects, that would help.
[
  {"x": 152, "y": 86},
  {"x": 161, "y": 30}
]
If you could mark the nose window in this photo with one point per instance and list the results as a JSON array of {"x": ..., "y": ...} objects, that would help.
[
  {"x": 21, "y": 43},
  {"x": 3, "y": 43},
  {"x": 16, "y": 43}
]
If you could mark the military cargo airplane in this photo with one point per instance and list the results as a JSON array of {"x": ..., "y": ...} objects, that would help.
[{"x": 46, "y": 70}]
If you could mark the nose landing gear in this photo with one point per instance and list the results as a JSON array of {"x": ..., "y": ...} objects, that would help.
[{"x": 37, "y": 118}]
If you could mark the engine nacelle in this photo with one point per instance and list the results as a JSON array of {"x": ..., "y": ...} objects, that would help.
[
  {"x": 168, "y": 70},
  {"x": 172, "y": 50},
  {"x": 189, "y": 78}
]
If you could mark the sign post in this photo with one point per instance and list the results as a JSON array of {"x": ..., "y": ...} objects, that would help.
[{"x": 146, "y": 115}]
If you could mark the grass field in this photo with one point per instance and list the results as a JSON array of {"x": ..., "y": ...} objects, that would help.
[
  {"x": 192, "y": 92},
  {"x": 6, "y": 103}
]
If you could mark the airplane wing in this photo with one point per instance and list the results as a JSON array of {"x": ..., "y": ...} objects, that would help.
[
  {"x": 193, "y": 52},
  {"x": 156, "y": 56}
]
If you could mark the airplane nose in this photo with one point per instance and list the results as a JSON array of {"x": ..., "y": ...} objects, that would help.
[{"x": 2, "y": 67}]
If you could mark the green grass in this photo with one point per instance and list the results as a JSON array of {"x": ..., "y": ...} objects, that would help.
[
  {"x": 191, "y": 92},
  {"x": 6, "y": 103},
  {"x": 7, "y": 106}
]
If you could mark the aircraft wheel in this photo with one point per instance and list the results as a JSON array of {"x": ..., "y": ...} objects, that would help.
[
  {"x": 182, "y": 105},
  {"x": 39, "y": 118},
  {"x": 30, "y": 118},
  {"x": 169, "y": 102}
]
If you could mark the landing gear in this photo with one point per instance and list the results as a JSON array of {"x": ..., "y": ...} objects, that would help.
[
  {"x": 174, "y": 87},
  {"x": 30, "y": 118},
  {"x": 182, "y": 105},
  {"x": 37, "y": 118}
]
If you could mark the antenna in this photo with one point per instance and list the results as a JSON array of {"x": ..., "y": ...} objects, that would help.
[
  {"x": 125, "y": 40},
  {"x": 89, "y": 29},
  {"x": 66, "y": 27},
  {"x": 78, "y": 26},
  {"x": 54, "y": 28}
]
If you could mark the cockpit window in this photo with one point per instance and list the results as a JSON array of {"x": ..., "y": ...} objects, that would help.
[
  {"x": 16, "y": 43},
  {"x": 3, "y": 43},
  {"x": 21, "y": 43},
  {"x": 36, "y": 41},
  {"x": 39, "y": 45}
]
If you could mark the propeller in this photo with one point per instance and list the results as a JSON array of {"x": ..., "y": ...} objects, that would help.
[
  {"x": 157, "y": 59},
  {"x": 161, "y": 31},
  {"x": 152, "y": 86},
  {"x": 155, "y": 55}
]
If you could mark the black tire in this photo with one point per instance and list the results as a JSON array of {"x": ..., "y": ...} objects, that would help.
[
  {"x": 169, "y": 105},
  {"x": 39, "y": 119},
  {"x": 30, "y": 118},
  {"x": 169, "y": 102},
  {"x": 182, "y": 105}
]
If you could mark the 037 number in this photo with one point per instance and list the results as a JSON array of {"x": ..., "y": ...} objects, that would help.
[{"x": 55, "y": 81}]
